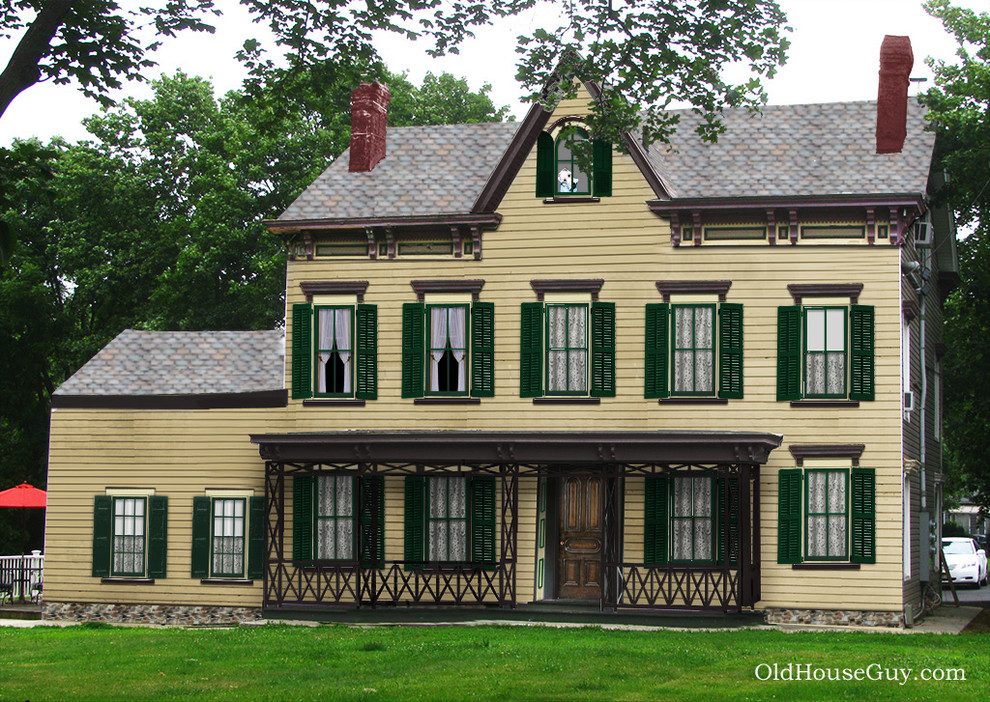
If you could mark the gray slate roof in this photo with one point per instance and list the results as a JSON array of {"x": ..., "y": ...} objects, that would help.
[
  {"x": 426, "y": 171},
  {"x": 182, "y": 363},
  {"x": 822, "y": 149}
]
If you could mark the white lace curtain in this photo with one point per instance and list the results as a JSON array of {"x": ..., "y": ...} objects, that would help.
[
  {"x": 448, "y": 519},
  {"x": 826, "y": 514},
  {"x": 825, "y": 362},
  {"x": 334, "y": 333},
  {"x": 692, "y": 522},
  {"x": 335, "y": 517},
  {"x": 228, "y": 536},
  {"x": 448, "y": 324},
  {"x": 694, "y": 357},
  {"x": 567, "y": 355}
]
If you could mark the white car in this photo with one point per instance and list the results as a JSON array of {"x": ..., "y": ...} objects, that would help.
[{"x": 967, "y": 563}]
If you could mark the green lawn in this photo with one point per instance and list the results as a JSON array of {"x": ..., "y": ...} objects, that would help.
[{"x": 477, "y": 663}]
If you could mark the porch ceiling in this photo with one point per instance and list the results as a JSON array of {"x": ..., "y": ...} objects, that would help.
[{"x": 560, "y": 447}]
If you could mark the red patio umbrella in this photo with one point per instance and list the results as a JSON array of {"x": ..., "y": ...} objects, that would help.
[{"x": 23, "y": 495}]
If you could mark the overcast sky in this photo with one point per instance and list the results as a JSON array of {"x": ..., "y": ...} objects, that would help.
[{"x": 834, "y": 56}]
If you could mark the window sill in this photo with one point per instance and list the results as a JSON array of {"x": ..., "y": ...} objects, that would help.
[
  {"x": 333, "y": 402},
  {"x": 226, "y": 581},
  {"x": 825, "y": 403},
  {"x": 575, "y": 199},
  {"x": 825, "y": 566},
  {"x": 447, "y": 401},
  {"x": 128, "y": 581},
  {"x": 567, "y": 400},
  {"x": 693, "y": 401}
]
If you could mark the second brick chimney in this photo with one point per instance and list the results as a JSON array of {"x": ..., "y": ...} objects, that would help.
[
  {"x": 896, "y": 61},
  {"x": 369, "y": 113}
]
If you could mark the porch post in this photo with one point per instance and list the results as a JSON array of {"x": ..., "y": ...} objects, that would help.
[
  {"x": 610, "y": 538},
  {"x": 745, "y": 539},
  {"x": 509, "y": 532},
  {"x": 271, "y": 580},
  {"x": 756, "y": 558}
]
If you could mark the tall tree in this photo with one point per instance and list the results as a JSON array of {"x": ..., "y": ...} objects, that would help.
[
  {"x": 959, "y": 106},
  {"x": 643, "y": 55}
]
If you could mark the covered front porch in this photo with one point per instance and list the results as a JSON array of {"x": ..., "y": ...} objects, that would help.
[{"x": 548, "y": 517}]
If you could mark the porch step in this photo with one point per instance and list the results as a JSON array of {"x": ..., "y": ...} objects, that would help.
[{"x": 15, "y": 612}]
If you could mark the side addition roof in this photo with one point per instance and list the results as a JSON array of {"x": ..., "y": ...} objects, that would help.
[{"x": 175, "y": 370}]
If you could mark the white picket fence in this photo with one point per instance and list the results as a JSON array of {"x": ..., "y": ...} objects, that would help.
[{"x": 22, "y": 576}]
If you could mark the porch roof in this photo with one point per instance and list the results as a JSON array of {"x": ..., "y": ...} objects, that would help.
[{"x": 551, "y": 447}]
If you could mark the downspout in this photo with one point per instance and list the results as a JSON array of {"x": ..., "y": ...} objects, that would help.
[{"x": 923, "y": 403}]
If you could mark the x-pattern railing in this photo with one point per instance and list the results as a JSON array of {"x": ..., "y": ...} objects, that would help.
[{"x": 679, "y": 587}]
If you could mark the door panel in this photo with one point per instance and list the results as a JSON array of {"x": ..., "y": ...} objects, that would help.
[{"x": 580, "y": 551}]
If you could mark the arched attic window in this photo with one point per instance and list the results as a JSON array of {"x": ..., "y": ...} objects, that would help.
[{"x": 558, "y": 173}]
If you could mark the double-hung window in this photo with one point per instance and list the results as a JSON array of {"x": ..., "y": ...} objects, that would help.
[
  {"x": 334, "y": 348},
  {"x": 689, "y": 519},
  {"x": 567, "y": 348},
  {"x": 450, "y": 519},
  {"x": 694, "y": 350},
  {"x": 826, "y": 514},
  {"x": 129, "y": 535},
  {"x": 338, "y": 517},
  {"x": 448, "y": 349},
  {"x": 825, "y": 350},
  {"x": 561, "y": 172},
  {"x": 228, "y": 535}
]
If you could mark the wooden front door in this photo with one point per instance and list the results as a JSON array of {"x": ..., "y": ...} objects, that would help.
[{"x": 580, "y": 554}]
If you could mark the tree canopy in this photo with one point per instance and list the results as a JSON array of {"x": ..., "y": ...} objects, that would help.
[
  {"x": 959, "y": 106},
  {"x": 642, "y": 55}
]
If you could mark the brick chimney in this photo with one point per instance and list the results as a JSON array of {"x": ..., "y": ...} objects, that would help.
[
  {"x": 369, "y": 112},
  {"x": 896, "y": 61}
]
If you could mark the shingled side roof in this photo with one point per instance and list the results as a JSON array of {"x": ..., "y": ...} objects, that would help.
[
  {"x": 147, "y": 363},
  {"x": 820, "y": 149},
  {"x": 426, "y": 171}
]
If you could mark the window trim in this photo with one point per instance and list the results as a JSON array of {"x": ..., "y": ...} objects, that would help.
[
  {"x": 428, "y": 347},
  {"x": 567, "y": 349},
  {"x": 805, "y": 352},
  {"x": 712, "y": 518},
  {"x": 713, "y": 348},
  {"x": 447, "y": 519},
  {"x": 335, "y": 517},
  {"x": 114, "y": 573},
  {"x": 566, "y": 132},
  {"x": 317, "y": 350},
  {"x": 245, "y": 516},
  {"x": 844, "y": 558}
]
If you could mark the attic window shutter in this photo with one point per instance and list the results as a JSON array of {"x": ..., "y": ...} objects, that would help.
[
  {"x": 531, "y": 350},
  {"x": 367, "y": 352},
  {"x": 302, "y": 353},
  {"x": 789, "y": 516},
  {"x": 603, "y": 349},
  {"x": 157, "y": 536},
  {"x": 602, "y": 168},
  {"x": 657, "y": 352},
  {"x": 483, "y": 349},
  {"x": 483, "y": 521},
  {"x": 789, "y": 353},
  {"x": 302, "y": 517},
  {"x": 861, "y": 385},
  {"x": 545, "y": 163},
  {"x": 201, "y": 537},
  {"x": 863, "y": 503},
  {"x": 415, "y": 521},
  {"x": 102, "y": 524},
  {"x": 256, "y": 538},
  {"x": 413, "y": 349},
  {"x": 730, "y": 336},
  {"x": 655, "y": 520}
]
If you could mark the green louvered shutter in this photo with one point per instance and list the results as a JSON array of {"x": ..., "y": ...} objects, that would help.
[
  {"x": 366, "y": 366},
  {"x": 483, "y": 349},
  {"x": 413, "y": 348},
  {"x": 201, "y": 509},
  {"x": 729, "y": 491},
  {"x": 372, "y": 516},
  {"x": 415, "y": 521},
  {"x": 531, "y": 350},
  {"x": 789, "y": 516},
  {"x": 655, "y": 519},
  {"x": 483, "y": 521},
  {"x": 602, "y": 168},
  {"x": 861, "y": 376},
  {"x": 102, "y": 530},
  {"x": 730, "y": 350},
  {"x": 256, "y": 538},
  {"x": 788, "y": 353},
  {"x": 656, "y": 372},
  {"x": 302, "y": 351},
  {"x": 863, "y": 503},
  {"x": 302, "y": 517},
  {"x": 545, "y": 165},
  {"x": 603, "y": 349},
  {"x": 157, "y": 536}
]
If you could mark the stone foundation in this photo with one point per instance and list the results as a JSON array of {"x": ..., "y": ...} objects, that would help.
[
  {"x": 171, "y": 615},
  {"x": 834, "y": 617}
]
